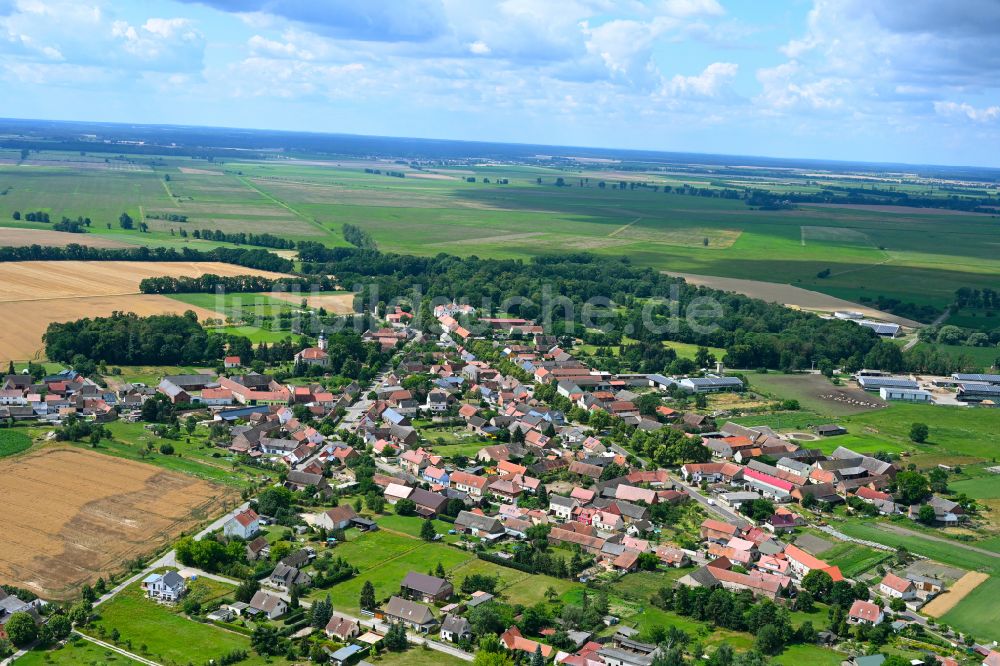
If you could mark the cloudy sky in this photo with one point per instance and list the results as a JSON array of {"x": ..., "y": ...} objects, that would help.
[{"x": 882, "y": 80}]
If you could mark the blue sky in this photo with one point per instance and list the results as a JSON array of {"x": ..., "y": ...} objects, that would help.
[{"x": 880, "y": 80}]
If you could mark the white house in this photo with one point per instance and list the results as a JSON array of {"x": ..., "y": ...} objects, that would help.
[
  {"x": 168, "y": 586},
  {"x": 267, "y": 604},
  {"x": 894, "y": 587},
  {"x": 244, "y": 525}
]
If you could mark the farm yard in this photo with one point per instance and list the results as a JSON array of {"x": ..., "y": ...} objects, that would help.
[
  {"x": 74, "y": 515},
  {"x": 816, "y": 393}
]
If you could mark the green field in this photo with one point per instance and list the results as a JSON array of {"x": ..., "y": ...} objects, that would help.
[
  {"x": 169, "y": 637},
  {"x": 74, "y": 653},
  {"x": 854, "y": 559},
  {"x": 979, "y": 357},
  {"x": 195, "y": 457},
  {"x": 385, "y": 557},
  {"x": 915, "y": 256},
  {"x": 958, "y": 435},
  {"x": 13, "y": 441}
]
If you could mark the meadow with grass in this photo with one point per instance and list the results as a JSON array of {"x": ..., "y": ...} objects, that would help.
[{"x": 917, "y": 256}]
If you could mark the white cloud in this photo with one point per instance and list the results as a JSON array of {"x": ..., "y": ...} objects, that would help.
[
  {"x": 479, "y": 47},
  {"x": 710, "y": 83},
  {"x": 967, "y": 111}
]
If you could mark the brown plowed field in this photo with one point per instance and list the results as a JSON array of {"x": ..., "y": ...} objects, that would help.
[
  {"x": 71, "y": 515},
  {"x": 21, "y": 237}
]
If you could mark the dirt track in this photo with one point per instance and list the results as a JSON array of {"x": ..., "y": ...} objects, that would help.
[{"x": 71, "y": 515}]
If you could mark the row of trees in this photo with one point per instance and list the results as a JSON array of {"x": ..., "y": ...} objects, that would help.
[
  {"x": 210, "y": 283},
  {"x": 250, "y": 258},
  {"x": 242, "y": 238}
]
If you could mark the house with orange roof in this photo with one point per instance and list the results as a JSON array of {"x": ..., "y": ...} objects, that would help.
[
  {"x": 802, "y": 563},
  {"x": 894, "y": 587},
  {"x": 514, "y": 641}
]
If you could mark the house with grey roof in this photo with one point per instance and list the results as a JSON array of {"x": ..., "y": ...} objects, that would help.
[{"x": 415, "y": 616}]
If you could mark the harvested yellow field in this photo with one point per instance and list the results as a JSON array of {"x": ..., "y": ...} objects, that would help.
[
  {"x": 39, "y": 280},
  {"x": 943, "y": 603},
  {"x": 22, "y": 237},
  {"x": 37, "y": 293},
  {"x": 26, "y": 321},
  {"x": 334, "y": 303},
  {"x": 790, "y": 295},
  {"x": 71, "y": 515}
]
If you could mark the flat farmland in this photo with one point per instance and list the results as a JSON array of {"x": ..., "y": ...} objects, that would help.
[
  {"x": 335, "y": 302},
  {"x": 21, "y": 338},
  {"x": 37, "y": 293},
  {"x": 72, "y": 515},
  {"x": 816, "y": 393},
  {"x": 39, "y": 280},
  {"x": 14, "y": 237},
  {"x": 786, "y": 294}
]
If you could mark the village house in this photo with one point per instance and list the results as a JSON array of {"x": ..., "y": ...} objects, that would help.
[
  {"x": 243, "y": 525},
  {"x": 269, "y": 605},
  {"x": 455, "y": 628},
  {"x": 865, "y": 612},
  {"x": 341, "y": 628},
  {"x": 167, "y": 586},
  {"x": 479, "y": 525},
  {"x": 894, "y": 587},
  {"x": 337, "y": 518},
  {"x": 426, "y": 588},
  {"x": 413, "y": 615}
]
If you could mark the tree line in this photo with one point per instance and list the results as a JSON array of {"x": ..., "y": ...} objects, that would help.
[
  {"x": 249, "y": 258},
  {"x": 210, "y": 283},
  {"x": 754, "y": 333},
  {"x": 241, "y": 238}
]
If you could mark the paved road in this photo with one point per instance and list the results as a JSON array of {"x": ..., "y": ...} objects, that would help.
[{"x": 720, "y": 511}]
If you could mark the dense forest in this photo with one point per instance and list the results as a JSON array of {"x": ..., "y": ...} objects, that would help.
[
  {"x": 128, "y": 339},
  {"x": 250, "y": 258}
]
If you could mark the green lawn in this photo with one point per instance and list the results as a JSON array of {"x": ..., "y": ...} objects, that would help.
[
  {"x": 980, "y": 487},
  {"x": 131, "y": 440},
  {"x": 958, "y": 435},
  {"x": 854, "y": 559},
  {"x": 978, "y": 613},
  {"x": 935, "y": 550},
  {"x": 74, "y": 653},
  {"x": 169, "y": 637},
  {"x": 384, "y": 558},
  {"x": 417, "y": 655},
  {"x": 13, "y": 441}
]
